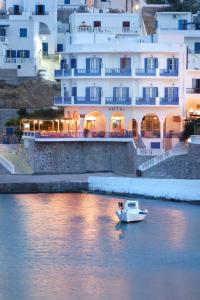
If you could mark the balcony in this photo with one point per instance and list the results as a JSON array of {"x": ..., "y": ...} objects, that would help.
[
  {"x": 62, "y": 73},
  {"x": 117, "y": 101},
  {"x": 85, "y": 100},
  {"x": 118, "y": 72},
  {"x": 168, "y": 73},
  {"x": 35, "y": 13},
  {"x": 145, "y": 101},
  {"x": 144, "y": 72},
  {"x": 61, "y": 101},
  {"x": 169, "y": 101},
  {"x": 87, "y": 72},
  {"x": 193, "y": 91}
]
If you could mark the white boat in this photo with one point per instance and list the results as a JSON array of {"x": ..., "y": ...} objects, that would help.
[{"x": 130, "y": 212}]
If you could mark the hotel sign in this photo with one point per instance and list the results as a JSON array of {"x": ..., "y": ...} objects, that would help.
[{"x": 117, "y": 108}]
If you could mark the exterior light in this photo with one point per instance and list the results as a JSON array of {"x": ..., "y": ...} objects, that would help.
[
  {"x": 137, "y": 7},
  {"x": 62, "y": 121},
  {"x": 40, "y": 122},
  {"x": 35, "y": 121}
]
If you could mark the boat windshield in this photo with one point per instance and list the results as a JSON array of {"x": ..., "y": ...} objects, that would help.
[{"x": 131, "y": 205}]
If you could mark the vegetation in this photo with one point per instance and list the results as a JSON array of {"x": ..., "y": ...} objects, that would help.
[
  {"x": 185, "y": 5},
  {"x": 178, "y": 5},
  {"x": 192, "y": 126}
]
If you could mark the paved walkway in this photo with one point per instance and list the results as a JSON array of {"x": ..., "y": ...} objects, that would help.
[{"x": 50, "y": 178}]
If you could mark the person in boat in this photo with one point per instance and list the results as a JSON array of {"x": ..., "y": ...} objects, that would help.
[{"x": 121, "y": 206}]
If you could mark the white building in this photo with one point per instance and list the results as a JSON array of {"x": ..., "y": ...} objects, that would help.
[
  {"x": 116, "y": 81},
  {"x": 121, "y": 5},
  {"x": 28, "y": 37},
  {"x": 185, "y": 27}
]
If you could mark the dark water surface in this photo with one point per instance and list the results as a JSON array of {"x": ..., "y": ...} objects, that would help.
[{"x": 69, "y": 246}]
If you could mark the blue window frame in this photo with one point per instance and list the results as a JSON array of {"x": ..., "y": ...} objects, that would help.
[
  {"x": 11, "y": 53},
  {"x": 40, "y": 9},
  {"x": 197, "y": 47},
  {"x": 67, "y": 2},
  {"x": 23, "y": 32},
  {"x": 59, "y": 47},
  {"x": 155, "y": 145},
  {"x": 182, "y": 24},
  {"x": 23, "y": 53},
  {"x": 45, "y": 49}
]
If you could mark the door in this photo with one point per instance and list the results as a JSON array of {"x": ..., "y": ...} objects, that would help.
[
  {"x": 73, "y": 63},
  {"x": 45, "y": 49},
  {"x": 125, "y": 63}
]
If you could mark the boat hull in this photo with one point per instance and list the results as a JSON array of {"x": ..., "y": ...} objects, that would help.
[{"x": 129, "y": 217}]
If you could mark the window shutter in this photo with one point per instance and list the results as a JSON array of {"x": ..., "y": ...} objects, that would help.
[
  {"x": 62, "y": 64},
  {"x": 87, "y": 93},
  {"x": 114, "y": 93},
  {"x": 168, "y": 63},
  {"x": 155, "y": 92},
  {"x": 145, "y": 63},
  {"x": 74, "y": 91},
  {"x": 87, "y": 64},
  {"x": 144, "y": 92},
  {"x": 166, "y": 93},
  {"x": 155, "y": 62},
  {"x": 176, "y": 64},
  {"x": 73, "y": 63},
  {"x": 127, "y": 92},
  {"x": 175, "y": 93}
]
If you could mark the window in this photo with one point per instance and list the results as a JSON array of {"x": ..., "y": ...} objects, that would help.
[
  {"x": 197, "y": 47},
  {"x": 11, "y": 53},
  {"x": 151, "y": 63},
  {"x": 93, "y": 92},
  {"x": 23, "y": 32},
  {"x": 171, "y": 93},
  {"x": 40, "y": 9},
  {"x": 182, "y": 24},
  {"x": 97, "y": 24},
  {"x": 23, "y": 53},
  {"x": 59, "y": 47},
  {"x": 2, "y": 32},
  {"x": 150, "y": 92},
  {"x": 125, "y": 63},
  {"x": 172, "y": 64},
  {"x": 16, "y": 9},
  {"x": 126, "y": 26},
  {"x": 67, "y": 2},
  {"x": 121, "y": 92}
]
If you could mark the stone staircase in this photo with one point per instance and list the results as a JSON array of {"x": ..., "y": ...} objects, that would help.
[
  {"x": 176, "y": 151},
  {"x": 12, "y": 159}
]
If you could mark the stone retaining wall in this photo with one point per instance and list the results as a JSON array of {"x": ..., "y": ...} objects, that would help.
[
  {"x": 81, "y": 157},
  {"x": 182, "y": 166}
]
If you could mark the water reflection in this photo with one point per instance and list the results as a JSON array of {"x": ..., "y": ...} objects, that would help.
[{"x": 71, "y": 246}]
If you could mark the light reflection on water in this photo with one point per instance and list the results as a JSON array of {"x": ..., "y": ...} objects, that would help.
[{"x": 70, "y": 246}]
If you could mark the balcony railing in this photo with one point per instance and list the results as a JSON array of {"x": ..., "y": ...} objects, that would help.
[
  {"x": 118, "y": 101},
  {"x": 75, "y": 135},
  {"x": 147, "y": 101},
  {"x": 85, "y": 100},
  {"x": 58, "y": 100},
  {"x": 35, "y": 13},
  {"x": 90, "y": 29},
  {"x": 118, "y": 72},
  {"x": 145, "y": 72},
  {"x": 9, "y": 60},
  {"x": 167, "y": 72},
  {"x": 62, "y": 73},
  {"x": 87, "y": 72},
  {"x": 169, "y": 101},
  {"x": 193, "y": 91}
]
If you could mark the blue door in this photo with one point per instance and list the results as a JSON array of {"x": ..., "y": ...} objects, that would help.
[{"x": 45, "y": 49}]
